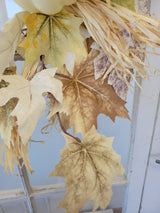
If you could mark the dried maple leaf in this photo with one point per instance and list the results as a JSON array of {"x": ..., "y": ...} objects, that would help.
[
  {"x": 11, "y": 143},
  {"x": 85, "y": 98},
  {"x": 90, "y": 167},
  {"x": 10, "y": 38},
  {"x": 116, "y": 79},
  {"x": 31, "y": 104},
  {"x": 52, "y": 36},
  {"x": 119, "y": 80}
]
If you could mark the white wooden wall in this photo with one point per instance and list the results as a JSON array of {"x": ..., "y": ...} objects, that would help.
[{"x": 143, "y": 191}]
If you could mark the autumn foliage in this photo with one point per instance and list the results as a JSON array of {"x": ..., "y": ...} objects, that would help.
[{"x": 94, "y": 48}]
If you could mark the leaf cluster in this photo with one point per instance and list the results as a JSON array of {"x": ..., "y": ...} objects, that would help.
[{"x": 92, "y": 47}]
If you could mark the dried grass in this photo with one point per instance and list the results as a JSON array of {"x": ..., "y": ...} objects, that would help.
[{"x": 104, "y": 23}]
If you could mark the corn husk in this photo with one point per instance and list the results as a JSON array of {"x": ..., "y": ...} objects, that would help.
[{"x": 105, "y": 22}]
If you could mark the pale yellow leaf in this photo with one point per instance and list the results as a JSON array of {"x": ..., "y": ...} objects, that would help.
[
  {"x": 52, "y": 36},
  {"x": 31, "y": 104},
  {"x": 89, "y": 168},
  {"x": 10, "y": 38}
]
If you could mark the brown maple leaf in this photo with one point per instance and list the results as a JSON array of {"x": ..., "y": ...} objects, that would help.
[
  {"x": 84, "y": 98},
  {"x": 90, "y": 167}
]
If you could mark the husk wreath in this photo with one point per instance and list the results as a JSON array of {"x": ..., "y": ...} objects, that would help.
[{"x": 97, "y": 48}]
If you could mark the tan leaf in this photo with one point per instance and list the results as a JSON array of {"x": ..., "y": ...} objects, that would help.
[
  {"x": 10, "y": 38},
  {"x": 11, "y": 143},
  {"x": 85, "y": 98},
  {"x": 89, "y": 169},
  {"x": 31, "y": 104}
]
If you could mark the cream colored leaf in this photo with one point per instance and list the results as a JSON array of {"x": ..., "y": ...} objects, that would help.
[
  {"x": 89, "y": 169},
  {"x": 49, "y": 7},
  {"x": 29, "y": 71},
  {"x": 10, "y": 38},
  {"x": 85, "y": 98},
  {"x": 31, "y": 104},
  {"x": 52, "y": 36},
  {"x": 70, "y": 62}
]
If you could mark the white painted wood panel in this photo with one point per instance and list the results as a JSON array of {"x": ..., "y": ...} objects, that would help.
[
  {"x": 150, "y": 197},
  {"x": 141, "y": 142},
  {"x": 141, "y": 145}
]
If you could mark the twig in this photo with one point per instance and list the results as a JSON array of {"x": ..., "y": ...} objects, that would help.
[
  {"x": 62, "y": 75},
  {"x": 63, "y": 129}
]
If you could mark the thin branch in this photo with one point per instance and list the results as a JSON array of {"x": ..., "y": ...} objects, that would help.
[
  {"x": 62, "y": 76},
  {"x": 64, "y": 130}
]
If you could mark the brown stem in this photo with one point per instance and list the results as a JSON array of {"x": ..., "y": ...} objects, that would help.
[
  {"x": 62, "y": 75},
  {"x": 63, "y": 129}
]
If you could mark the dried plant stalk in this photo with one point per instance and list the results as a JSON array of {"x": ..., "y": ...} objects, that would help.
[{"x": 105, "y": 22}]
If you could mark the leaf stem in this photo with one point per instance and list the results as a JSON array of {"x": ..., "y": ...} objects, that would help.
[
  {"x": 63, "y": 129},
  {"x": 63, "y": 76}
]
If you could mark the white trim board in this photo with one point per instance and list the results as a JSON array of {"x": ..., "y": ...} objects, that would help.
[{"x": 48, "y": 189}]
